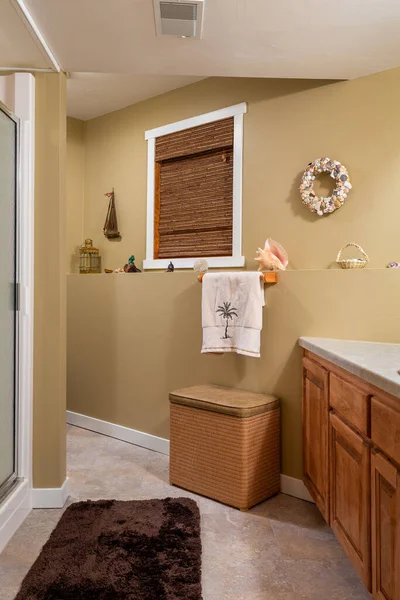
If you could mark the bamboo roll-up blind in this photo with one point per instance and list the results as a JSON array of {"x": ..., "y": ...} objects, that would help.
[
  {"x": 194, "y": 192},
  {"x": 218, "y": 134}
]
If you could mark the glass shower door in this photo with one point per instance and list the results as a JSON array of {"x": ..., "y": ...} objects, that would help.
[{"x": 8, "y": 296}]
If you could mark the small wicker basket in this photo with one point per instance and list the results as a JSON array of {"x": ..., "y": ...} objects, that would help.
[{"x": 352, "y": 263}]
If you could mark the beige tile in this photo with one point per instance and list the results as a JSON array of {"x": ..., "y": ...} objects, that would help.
[
  {"x": 317, "y": 579},
  {"x": 30, "y": 537},
  {"x": 279, "y": 550},
  {"x": 157, "y": 466},
  {"x": 13, "y": 569},
  {"x": 78, "y": 432},
  {"x": 117, "y": 449},
  {"x": 268, "y": 594},
  {"x": 99, "y": 486},
  {"x": 8, "y": 593},
  {"x": 248, "y": 540},
  {"x": 302, "y": 542},
  {"x": 241, "y": 558},
  {"x": 354, "y": 588},
  {"x": 293, "y": 511},
  {"x": 238, "y": 579},
  {"x": 158, "y": 488}
]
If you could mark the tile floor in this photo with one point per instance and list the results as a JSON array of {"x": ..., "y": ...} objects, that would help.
[{"x": 281, "y": 549}]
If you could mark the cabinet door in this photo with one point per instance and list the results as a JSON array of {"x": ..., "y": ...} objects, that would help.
[
  {"x": 385, "y": 529},
  {"x": 315, "y": 434},
  {"x": 350, "y": 494}
]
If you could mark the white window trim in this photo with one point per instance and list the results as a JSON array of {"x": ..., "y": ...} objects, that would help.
[{"x": 236, "y": 260}]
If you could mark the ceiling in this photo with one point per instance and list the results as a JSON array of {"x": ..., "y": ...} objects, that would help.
[
  {"x": 314, "y": 39},
  {"x": 243, "y": 38},
  {"x": 19, "y": 46},
  {"x": 94, "y": 94}
]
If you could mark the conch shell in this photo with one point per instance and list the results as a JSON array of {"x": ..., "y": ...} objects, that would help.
[{"x": 273, "y": 257}]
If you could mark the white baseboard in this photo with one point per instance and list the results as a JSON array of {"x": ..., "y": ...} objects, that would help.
[
  {"x": 50, "y": 497},
  {"x": 295, "y": 487},
  {"x": 119, "y": 432},
  {"x": 13, "y": 512}
]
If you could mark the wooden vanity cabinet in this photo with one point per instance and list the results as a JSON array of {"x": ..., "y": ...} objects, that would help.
[
  {"x": 350, "y": 512},
  {"x": 351, "y": 446},
  {"x": 385, "y": 501},
  {"x": 315, "y": 434}
]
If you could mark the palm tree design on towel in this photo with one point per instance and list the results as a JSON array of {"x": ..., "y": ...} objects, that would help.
[{"x": 227, "y": 312}]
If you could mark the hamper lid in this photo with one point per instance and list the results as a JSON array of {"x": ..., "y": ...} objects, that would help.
[{"x": 230, "y": 401}]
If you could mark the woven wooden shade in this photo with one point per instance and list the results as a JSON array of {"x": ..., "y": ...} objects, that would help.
[
  {"x": 194, "y": 192},
  {"x": 210, "y": 136}
]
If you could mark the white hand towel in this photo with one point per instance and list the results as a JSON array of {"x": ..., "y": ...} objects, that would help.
[{"x": 232, "y": 312}]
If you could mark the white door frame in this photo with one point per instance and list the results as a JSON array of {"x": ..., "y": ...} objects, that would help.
[{"x": 17, "y": 94}]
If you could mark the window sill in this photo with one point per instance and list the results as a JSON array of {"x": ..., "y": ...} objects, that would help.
[{"x": 188, "y": 263}]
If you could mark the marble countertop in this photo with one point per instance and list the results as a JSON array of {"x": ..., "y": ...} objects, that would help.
[{"x": 375, "y": 362}]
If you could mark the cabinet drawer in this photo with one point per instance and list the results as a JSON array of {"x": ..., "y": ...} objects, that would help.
[
  {"x": 350, "y": 402},
  {"x": 385, "y": 427}
]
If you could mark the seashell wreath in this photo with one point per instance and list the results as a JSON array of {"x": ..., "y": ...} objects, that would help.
[{"x": 337, "y": 171}]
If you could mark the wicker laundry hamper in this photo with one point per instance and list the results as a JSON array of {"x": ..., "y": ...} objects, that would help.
[{"x": 225, "y": 444}]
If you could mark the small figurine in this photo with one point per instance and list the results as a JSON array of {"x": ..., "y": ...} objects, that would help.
[
  {"x": 170, "y": 268},
  {"x": 393, "y": 265},
  {"x": 201, "y": 265},
  {"x": 273, "y": 257},
  {"x": 130, "y": 267}
]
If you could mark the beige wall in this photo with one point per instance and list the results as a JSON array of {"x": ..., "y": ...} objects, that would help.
[
  {"x": 50, "y": 284},
  {"x": 288, "y": 124},
  {"x": 131, "y": 340},
  {"x": 75, "y": 191}
]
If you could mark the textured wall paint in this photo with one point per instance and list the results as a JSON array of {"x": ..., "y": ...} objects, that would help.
[
  {"x": 133, "y": 338},
  {"x": 49, "y": 391},
  {"x": 144, "y": 335},
  {"x": 75, "y": 191}
]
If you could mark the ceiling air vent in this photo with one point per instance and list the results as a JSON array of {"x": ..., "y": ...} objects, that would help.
[{"x": 180, "y": 19}]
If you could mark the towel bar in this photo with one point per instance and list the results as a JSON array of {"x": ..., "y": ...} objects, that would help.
[{"x": 271, "y": 277}]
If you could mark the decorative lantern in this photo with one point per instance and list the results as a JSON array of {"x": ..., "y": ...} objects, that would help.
[{"x": 89, "y": 258}]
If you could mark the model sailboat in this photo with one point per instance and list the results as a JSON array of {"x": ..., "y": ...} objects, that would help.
[{"x": 110, "y": 228}]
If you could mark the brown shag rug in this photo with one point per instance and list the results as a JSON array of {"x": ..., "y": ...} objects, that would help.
[{"x": 111, "y": 550}]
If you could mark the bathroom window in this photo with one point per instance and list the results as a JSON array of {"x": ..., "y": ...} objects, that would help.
[{"x": 194, "y": 191}]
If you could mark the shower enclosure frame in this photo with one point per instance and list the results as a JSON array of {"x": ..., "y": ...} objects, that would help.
[
  {"x": 9, "y": 484},
  {"x": 17, "y": 98}
]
